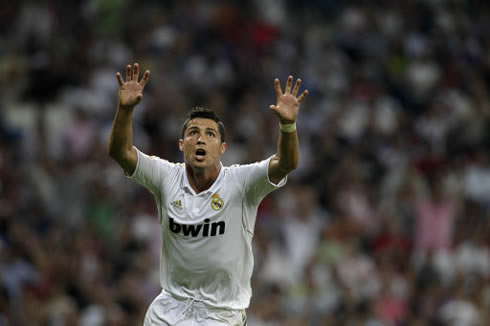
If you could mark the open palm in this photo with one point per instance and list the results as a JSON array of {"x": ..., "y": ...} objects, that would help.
[
  {"x": 287, "y": 104},
  {"x": 131, "y": 90}
]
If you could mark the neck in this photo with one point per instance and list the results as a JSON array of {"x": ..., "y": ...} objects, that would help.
[{"x": 202, "y": 179}]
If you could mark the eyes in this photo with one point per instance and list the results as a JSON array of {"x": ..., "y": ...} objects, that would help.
[{"x": 209, "y": 133}]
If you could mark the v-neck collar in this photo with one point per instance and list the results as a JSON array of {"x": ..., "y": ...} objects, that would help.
[{"x": 187, "y": 186}]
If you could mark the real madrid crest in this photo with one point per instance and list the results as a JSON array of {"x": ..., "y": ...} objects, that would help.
[{"x": 216, "y": 202}]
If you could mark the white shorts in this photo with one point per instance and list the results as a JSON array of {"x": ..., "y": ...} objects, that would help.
[{"x": 167, "y": 310}]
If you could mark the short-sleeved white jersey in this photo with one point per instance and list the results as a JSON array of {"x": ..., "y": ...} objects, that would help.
[{"x": 207, "y": 237}]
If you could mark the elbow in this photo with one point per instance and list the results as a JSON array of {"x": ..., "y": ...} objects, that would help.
[
  {"x": 289, "y": 167},
  {"x": 110, "y": 150},
  {"x": 293, "y": 167},
  {"x": 119, "y": 154},
  {"x": 295, "y": 164},
  {"x": 114, "y": 152}
]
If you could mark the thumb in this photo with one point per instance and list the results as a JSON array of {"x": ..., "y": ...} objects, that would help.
[{"x": 273, "y": 107}]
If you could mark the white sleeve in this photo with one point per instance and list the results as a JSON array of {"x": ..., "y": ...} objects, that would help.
[
  {"x": 255, "y": 181},
  {"x": 151, "y": 172}
]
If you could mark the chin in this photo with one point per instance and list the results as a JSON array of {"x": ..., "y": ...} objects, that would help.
[{"x": 199, "y": 164}]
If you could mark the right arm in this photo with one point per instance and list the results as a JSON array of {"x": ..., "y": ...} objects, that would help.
[{"x": 120, "y": 146}]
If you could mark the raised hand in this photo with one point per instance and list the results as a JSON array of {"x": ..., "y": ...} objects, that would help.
[
  {"x": 287, "y": 104},
  {"x": 131, "y": 90}
]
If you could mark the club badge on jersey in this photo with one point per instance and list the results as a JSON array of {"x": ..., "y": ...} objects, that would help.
[{"x": 216, "y": 202}]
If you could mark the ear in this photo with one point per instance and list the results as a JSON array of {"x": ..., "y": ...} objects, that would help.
[
  {"x": 181, "y": 145},
  {"x": 223, "y": 147}
]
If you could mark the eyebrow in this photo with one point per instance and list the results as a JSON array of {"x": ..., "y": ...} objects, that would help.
[{"x": 207, "y": 128}]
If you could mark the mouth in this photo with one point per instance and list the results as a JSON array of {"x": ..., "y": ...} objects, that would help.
[{"x": 200, "y": 154}]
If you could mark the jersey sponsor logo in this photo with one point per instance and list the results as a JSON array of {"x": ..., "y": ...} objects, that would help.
[
  {"x": 216, "y": 202},
  {"x": 194, "y": 230}
]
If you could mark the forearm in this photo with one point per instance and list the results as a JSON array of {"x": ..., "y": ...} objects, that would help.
[
  {"x": 120, "y": 140},
  {"x": 287, "y": 151},
  {"x": 286, "y": 108},
  {"x": 286, "y": 158},
  {"x": 120, "y": 146}
]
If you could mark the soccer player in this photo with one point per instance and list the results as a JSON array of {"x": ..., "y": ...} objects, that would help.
[{"x": 207, "y": 211}]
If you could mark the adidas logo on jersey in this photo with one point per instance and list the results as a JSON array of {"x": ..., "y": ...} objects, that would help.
[
  {"x": 177, "y": 204},
  {"x": 194, "y": 230}
]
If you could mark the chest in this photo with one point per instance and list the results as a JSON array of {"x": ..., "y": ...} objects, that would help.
[
  {"x": 209, "y": 215},
  {"x": 184, "y": 206}
]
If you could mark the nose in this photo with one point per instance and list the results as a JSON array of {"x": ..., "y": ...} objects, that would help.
[{"x": 200, "y": 140}]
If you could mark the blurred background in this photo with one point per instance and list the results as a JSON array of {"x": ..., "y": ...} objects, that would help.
[{"x": 385, "y": 222}]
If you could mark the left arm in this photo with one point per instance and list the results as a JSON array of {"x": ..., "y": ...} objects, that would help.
[{"x": 287, "y": 107}]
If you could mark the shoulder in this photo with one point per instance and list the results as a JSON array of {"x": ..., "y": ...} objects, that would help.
[
  {"x": 247, "y": 166},
  {"x": 159, "y": 160},
  {"x": 249, "y": 172},
  {"x": 159, "y": 164},
  {"x": 240, "y": 169}
]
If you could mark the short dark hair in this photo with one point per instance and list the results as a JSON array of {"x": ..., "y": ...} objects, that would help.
[{"x": 200, "y": 112}]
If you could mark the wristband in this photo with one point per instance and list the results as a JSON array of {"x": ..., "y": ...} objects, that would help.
[{"x": 287, "y": 127}]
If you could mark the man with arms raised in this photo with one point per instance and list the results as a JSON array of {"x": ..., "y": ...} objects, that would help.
[{"x": 207, "y": 211}]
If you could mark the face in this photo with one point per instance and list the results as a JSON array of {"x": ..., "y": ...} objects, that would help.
[{"x": 202, "y": 144}]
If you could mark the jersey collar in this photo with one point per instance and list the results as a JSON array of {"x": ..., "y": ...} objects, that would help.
[{"x": 185, "y": 184}]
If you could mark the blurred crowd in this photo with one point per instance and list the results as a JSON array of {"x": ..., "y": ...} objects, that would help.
[{"x": 385, "y": 222}]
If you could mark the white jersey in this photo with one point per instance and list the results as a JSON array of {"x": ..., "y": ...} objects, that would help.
[{"x": 207, "y": 237}]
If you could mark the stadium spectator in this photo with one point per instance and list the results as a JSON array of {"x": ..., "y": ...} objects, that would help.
[{"x": 399, "y": 93}]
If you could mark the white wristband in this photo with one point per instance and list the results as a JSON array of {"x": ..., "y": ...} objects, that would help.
[{"x": 287, "y": 127}]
